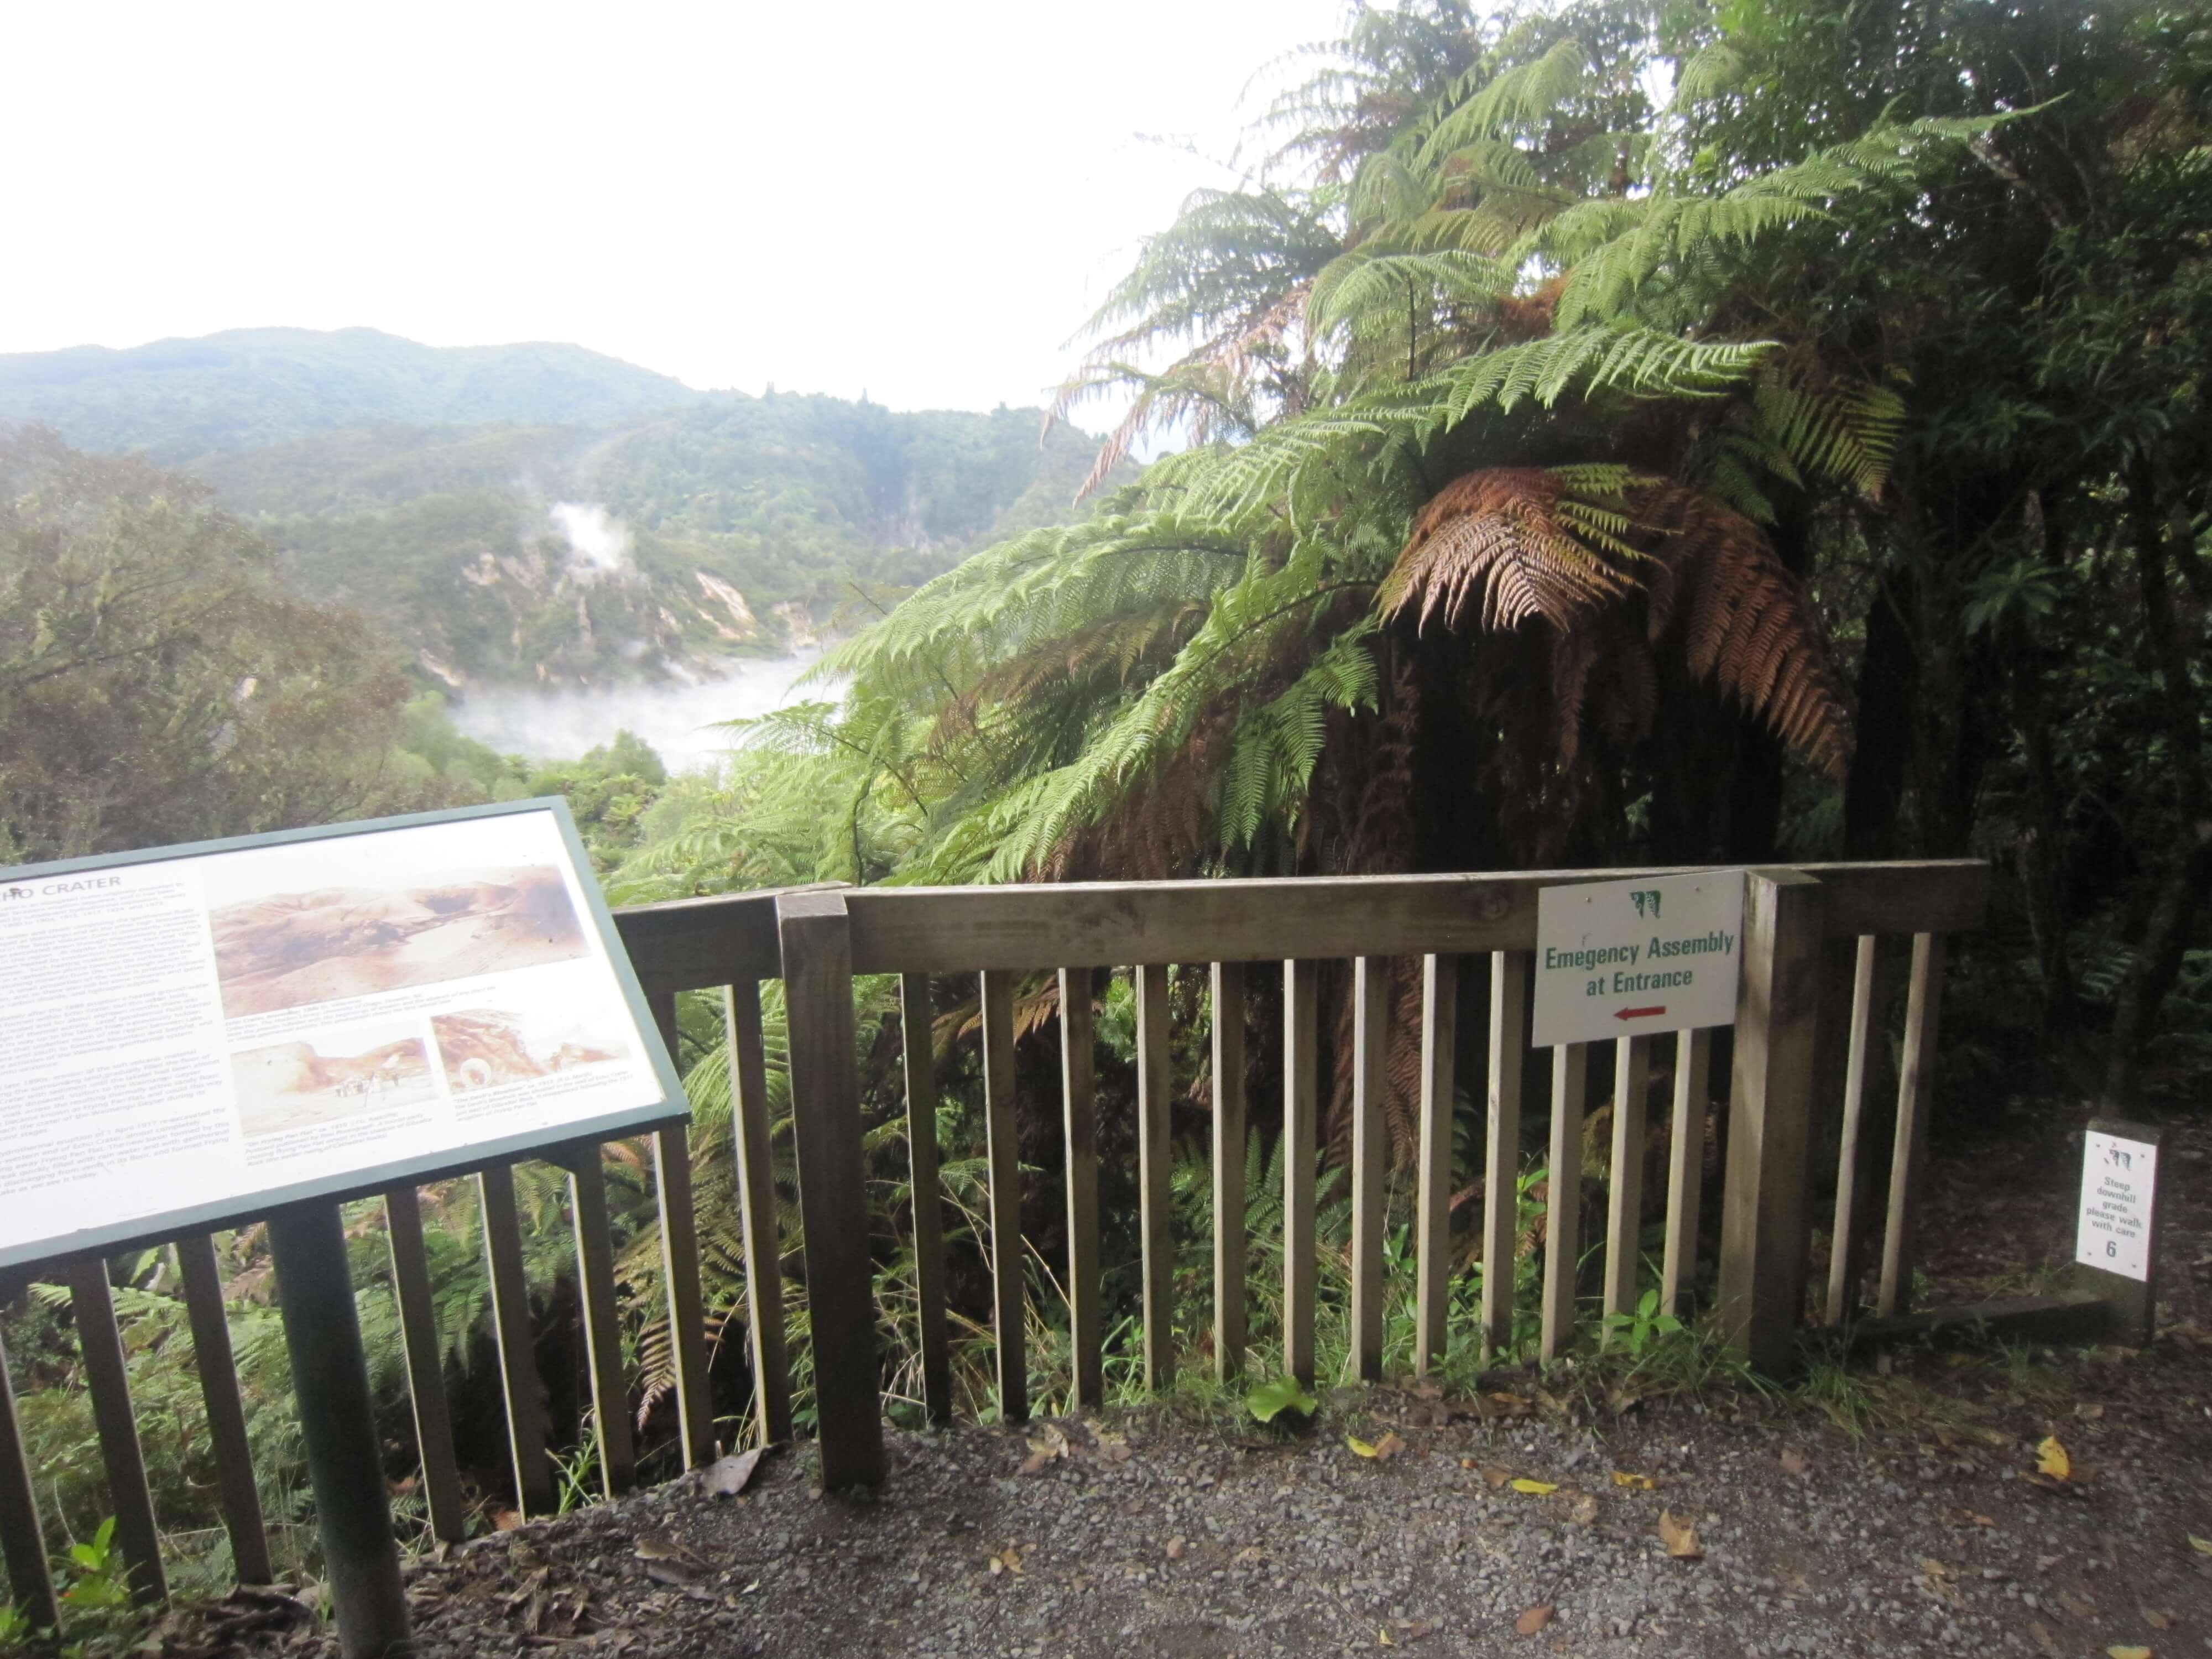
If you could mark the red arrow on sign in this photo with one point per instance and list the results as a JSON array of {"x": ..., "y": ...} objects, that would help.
[{"x": 1638, "y": 1013}]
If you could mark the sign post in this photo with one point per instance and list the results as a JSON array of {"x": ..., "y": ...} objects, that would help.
[
  {"x": 337, "y": 1426},
  {"x": 2116, "y": 1245}
]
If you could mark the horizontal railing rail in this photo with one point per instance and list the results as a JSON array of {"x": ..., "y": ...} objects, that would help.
[{"x": 1821, "y": 952}]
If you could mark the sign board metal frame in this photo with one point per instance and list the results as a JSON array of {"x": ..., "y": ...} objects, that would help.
[{"x": 233, "y": 1211}]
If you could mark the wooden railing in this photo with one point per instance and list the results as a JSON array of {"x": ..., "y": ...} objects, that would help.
[{"x": 1815, "y": 939}]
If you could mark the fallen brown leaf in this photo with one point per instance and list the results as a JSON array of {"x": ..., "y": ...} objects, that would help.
[
  {"x": 728, "y": 1476},
  {"x": 1497, "y": 1474},
  {"x": 2158, "y": 1621},
  {"x": 1389, "y": 1445},
  {"x": 1793, "y": 1462},
  {"x": 1679, "y": 1537},
  {"x": 1535, "y": 1620},
  {"x": 2124, "y": 1652}
]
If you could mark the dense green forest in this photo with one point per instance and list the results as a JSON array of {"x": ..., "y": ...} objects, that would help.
[
  {"x": 546, "y": 515},
  {"x": 1602, "y": 432}
]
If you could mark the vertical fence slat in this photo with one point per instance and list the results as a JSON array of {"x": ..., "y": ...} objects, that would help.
[
  {"x": 518, "y": 1360},
  {"x": 225, "y": 1412},
  {"x": 1764, "y": 1235},
  {"x": 1501, "y": 1157},
  {"x": 1909, "y": 1156},
  {"x": 1156, "y": 1212},
  {"x": 916, "y": 1044},
  {"x": 1301, "y": 1099},
  {"x": 99, "y": 1341},
  {"x": 679, "y": 1264},
  {"x": 1624, "y": 1227},
  {"x": 816, "y": 934},
  {"x": 756, "y": 1210},
  {"x": 1004, "y": 1154},
  {"x": 426, "y": 1365},
  {"x": 23, "y": 1539},
  {"x": 1563, "y": 1205},
  {"x": 602, "y": 1317},
  {"x": 1371, "y": 1155},
  {"x": 1685, "y": 1170},
  {"x": 1846, "y": 1242},
  {"x": 1079, "y": 1089},
  {"x": 1433, "y": 1226},
  {"x": 1230, "y": 1249}
]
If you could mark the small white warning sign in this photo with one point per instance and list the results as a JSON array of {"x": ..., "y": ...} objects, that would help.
[
  {"x": 2119, "y": 1178},
  {"x": 1622, "y": 958}
]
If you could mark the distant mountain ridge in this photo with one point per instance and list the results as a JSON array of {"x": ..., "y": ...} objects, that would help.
[
  {"x": 175, "y": 399},
  {"x": 543, "y": 515}
]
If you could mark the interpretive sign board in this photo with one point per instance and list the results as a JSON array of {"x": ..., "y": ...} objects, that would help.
[
  {"x": 2119, "y": 1183},
  {"x": 1621, "y": 958},
  {"x": 193, "y": 1036}
]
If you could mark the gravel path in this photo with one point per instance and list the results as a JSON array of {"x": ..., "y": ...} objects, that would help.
[{"x": 1161, "y": 1537}]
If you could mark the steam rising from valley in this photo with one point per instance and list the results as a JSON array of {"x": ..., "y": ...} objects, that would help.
[{"x": 676, "y": 719}]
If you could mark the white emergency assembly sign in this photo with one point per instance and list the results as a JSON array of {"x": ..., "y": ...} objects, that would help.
[
  {"x": 1622, "y": 958},
  {"x": 2119, "y": 1178}
]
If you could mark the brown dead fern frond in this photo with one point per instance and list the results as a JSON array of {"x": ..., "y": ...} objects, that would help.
[
  {"x": 1746, "y": 620},
  {"x": 1515, "y": 539}
]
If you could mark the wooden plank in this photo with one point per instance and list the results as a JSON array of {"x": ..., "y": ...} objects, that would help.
[
  {"x": 1229, "y": 1247},
  {"x": 93, "y": 1306},
  {"x": 1563, "y": 1202},
  {"x": 426, "y": 1365},
  {"x": 1624, "y": 1228},
  {"x": 825, "y": 1095},
  {"x": 1685, "y": 1170},
  {"x": 602, "y": 1317},
  {"x": 1029, "y": 925},
  {"x": 680, "y": 1264},
  {"x": 518, "y": 1358},
  {"x": 1301, "y": 1118},
  {"x": 1370, "y": 1156},
  {"x": 1908, "y": 1164},
  {"x": 2054, "y": 1319},
  {"x": 916, "y": 1043},
  {"x": 757, "y": 1212},
  {"x": 1764, "y": 1210},
  {"x": 1079, "y": 1089},
  {"x": 23, "y": 1537},
  {"x": 1509, "y": 972},
  {"x": 1432, "y": 1222},
  {"x": 1004, "y": 1149},
  {"x": 1846, "y": 1243},
  {"x": 700, "y": 943},
  {"x": 225, "y": 1412},
  {"x": 1155, "y": 1211}
]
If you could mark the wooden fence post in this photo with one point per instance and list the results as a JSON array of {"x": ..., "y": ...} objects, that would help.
[
  {"x": 1231, "y": 1246},
  {"x": 916, "y": 1041},
  {"x": 225, "y": 1412},
  {"x": 1301, "y": 1095},
  {"x": 23, "y": 1539},
  {"x": 757, "y": 1217},
  {"x": 1078, "y": 1088},
  {"x": 679, "y": 1262},
  {"x": 1763, "y": 1206},
  {"x": 92, "y": 1302},
  {"x": 1003, "y": 1158},
  {"x": 816, "y": 935}
]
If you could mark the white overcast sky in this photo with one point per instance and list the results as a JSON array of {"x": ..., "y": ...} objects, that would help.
[{"x": 920, "y": 201}]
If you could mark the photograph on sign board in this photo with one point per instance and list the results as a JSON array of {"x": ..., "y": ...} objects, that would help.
[
  {"x": 297, "y": 1085},
  {"x": 487, "y": 1048},
  {"x": 283, "y": 949}
]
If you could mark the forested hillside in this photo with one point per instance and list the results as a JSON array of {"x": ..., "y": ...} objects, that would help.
[
  {"x": 542, "y": 514},
  {"x": 175, "y": 399}
]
